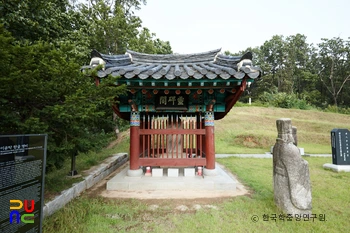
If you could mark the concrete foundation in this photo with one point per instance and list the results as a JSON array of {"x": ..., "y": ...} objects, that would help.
[
  {"x": 173, "y": 172},
  {"x": 189, "y": 172},
  {"x": 210, "y": 172},
  {"x": 337, "y": 168},
  {"x": 220, "y": 182},
  {"x": 157, "y": 172}
]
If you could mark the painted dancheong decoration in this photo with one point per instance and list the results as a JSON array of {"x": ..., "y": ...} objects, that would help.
[{"x": 173, "y": 100}]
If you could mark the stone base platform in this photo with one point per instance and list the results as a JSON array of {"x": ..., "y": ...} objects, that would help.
[
  {"x": 223, "y": 181},
  {"x": 337, "y": 168}
]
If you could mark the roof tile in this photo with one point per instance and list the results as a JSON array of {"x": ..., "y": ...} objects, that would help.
[{"x": 208, "y": 65}]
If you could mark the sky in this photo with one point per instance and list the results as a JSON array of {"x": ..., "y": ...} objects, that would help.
[{"x": 194, "y": 26}]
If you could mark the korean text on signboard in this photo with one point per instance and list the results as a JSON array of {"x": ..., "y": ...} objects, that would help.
[{"x": 22, "y": 170}]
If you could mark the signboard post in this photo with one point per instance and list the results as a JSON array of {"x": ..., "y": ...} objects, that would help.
[{"x": 22, "y": 172}]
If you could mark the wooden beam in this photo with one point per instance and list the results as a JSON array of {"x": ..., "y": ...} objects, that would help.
[
  {"x": 133, "y": 105},
  {"x": 172, "y": 162},
  {"x": 211, "y": 105},
  {"x": 172, "y": 131}
]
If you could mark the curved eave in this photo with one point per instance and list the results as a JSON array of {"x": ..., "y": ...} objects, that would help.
[{"x": 210, "y": 65}]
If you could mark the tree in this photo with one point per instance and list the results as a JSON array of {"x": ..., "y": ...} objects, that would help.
[
  {"x": 43, "y": 91},
  {"x": 129, "y": 5},
  {"x": 146, "y": 43},
  {"x": 43, "y": 45},
  {"x": 35, "y": 20},
  {"x": 287, "y": 64},
  {"x": 113, "y": 28},
  {"x": 333, "y": 62},
  {"x": 300, "y": 62},
  {"x": 109, "y": 29}
]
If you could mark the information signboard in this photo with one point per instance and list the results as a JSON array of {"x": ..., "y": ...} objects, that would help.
[
  {"x": 22, "y": 172},
  {"x": 340, "y": 146}
]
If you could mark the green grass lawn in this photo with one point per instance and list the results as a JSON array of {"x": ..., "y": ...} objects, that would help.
[
  {"x": 244, "y": 130},
  {"x": 249, "y": 130},
  {"x": 330, "y": 197},
  {"x": 57, "y": 180}
]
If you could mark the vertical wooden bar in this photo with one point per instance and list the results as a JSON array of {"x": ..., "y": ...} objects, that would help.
[
  {"x": 186, "y": 136},
  {"x": 191, "y": 136},
  {"x": 134, "y": 140},
  {"x": 209, "y": 140},
  {"x": 143, "y": 137},
  {"x": 177, "y": 139},
  {"x": 166, "y": 136},
  {"x": 197, "y": 137},
  {"x": 182, "y": 137},
  {"x": 162, "y": 136},
  {"x": 148, "y": 138},
  {"x": 158, "y": 136},
  {"x": 200, "y": 137},
  {"x": 152, "y": 137},
  {"x": 194, "y": 137},
  {"x": 140, "y": 138},
  {"x": 172, "y": 137}
]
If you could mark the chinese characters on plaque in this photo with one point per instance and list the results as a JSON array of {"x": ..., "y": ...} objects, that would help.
[{"x": 174, "y": 102}]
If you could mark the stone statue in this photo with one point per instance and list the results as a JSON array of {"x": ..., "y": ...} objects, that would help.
[
  {"x": 292, "y": 189},
  {"x": 295, "y": 135}
]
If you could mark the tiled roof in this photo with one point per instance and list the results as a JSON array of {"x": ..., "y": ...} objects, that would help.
[{"x": 208, "y": 65}]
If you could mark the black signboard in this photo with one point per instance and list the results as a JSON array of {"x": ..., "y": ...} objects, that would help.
[
  {"x": 340, "y": 146},
  {"x": 171, "y": 102},
  {"x": 22, "y": 170}
]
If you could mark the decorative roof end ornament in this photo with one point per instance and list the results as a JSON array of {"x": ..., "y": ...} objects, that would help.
[
  {"x": 95, "y": 61},
  {"x": 129, "y": 54},
  {"x": 245, "y": 63}
]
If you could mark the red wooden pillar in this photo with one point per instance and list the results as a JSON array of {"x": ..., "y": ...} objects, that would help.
[
  {"x": 198, "y": 137},
  {"x": 134, "y": 140},
  {"x": 209, "y": 139}
]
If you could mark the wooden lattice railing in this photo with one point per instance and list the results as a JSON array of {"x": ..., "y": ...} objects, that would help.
[{"x": 172, "y": 140}]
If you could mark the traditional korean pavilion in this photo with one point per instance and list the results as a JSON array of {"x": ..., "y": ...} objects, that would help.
[{"x": 172, "y": 102}]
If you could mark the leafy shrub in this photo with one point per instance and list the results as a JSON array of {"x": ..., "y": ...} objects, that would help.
[
  {"x": 284, "y": 100},
  {"x": 335, "y": 109}
]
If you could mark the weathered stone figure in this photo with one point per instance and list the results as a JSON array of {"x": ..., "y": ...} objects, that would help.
[
  {"x": 295, "y": 135},
  {"x": 292, "y": 189}
]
